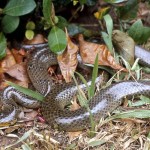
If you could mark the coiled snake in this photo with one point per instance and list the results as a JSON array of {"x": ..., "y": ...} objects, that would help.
[{"x": 57, "y": 96}]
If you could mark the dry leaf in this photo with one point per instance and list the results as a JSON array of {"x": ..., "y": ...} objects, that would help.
[
  {"x": 18, "y": 55},
  {"x": 8, "y": 61},
  {"x": 31, "y": 115},
  {"x": 74, "y": 105},
  {"x": 143, "y": 10},
  {"x": 101, "y": 12},
  {"x": 18, "y": 71},
  {"x": 73, "y": 135},
  {"x": 88, "y": 52},
  {"x": 12, "y": 129},
  {"x": 68, "y": 60}
]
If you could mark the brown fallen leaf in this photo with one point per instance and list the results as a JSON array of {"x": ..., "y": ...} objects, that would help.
[
  {"x": 18, "y": 55},
  {"x": 12, "y": 129},
  {"x": 88, "y": 52},
  {"x": 8, "y": 61},
  {"x": 31, "y": 115},
  {"x": 73, "y": 135},
  {"x": 68, "y": 60},
  {"x": 74, "y": 105},
  {"x": 18, "y": 71}
]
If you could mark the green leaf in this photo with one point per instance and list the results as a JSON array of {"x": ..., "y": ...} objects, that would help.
[
  {"x": 30, "y": 25},
  {"x": 94, "y": 76},
  {"x": 57, "y": 40},
  {"x": 82, "y": 101},
  {"x": 3, "y": 45},
  {"x": 127, "y": 65},
  {"x": 96, "y": 143},
  {"x": 135, "y": 65},
  {"x": 29, "y": 34},
  {"x": 81, "y": 96},
  {"x": 108, "y": 37},
  {"x": 107, "y": 41},
  {"x": 115, "y": 1},
  {"x": 71, "y": 146},
  {"x": 146, "y": 69},
  {"x": 145, "y": 36},
  {"x": 129, "y": 11},
  {"x": 82, "y": 2},
  {"x": 144, "y": 100},
  {"x": 47, "y": 11},
  {"x": 56, "y": 19},
  {"x": 9, "y": 23},
  {"x": 26, "y": 91},
  {"x": 62, "y": 22},
  {"x": 19, "y": 7},
  {"x": 74, "y": 29},
  {"x": 85, "y": 82},
  {"x": 135, "y": 30},
  {"x": 136, "y": 68},
  {"x": 133, "y": 114},
  {"x": 109, "y": 24},
  {"x": 138, "y": 32}
]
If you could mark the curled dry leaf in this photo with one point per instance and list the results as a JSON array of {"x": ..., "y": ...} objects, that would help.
[
  {"x": 88, "y": 52},
  {"x": 68, "y": 60}
]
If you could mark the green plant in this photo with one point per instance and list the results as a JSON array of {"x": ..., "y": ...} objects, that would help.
[
  {"x": 108, "y": 36},
  {"x": 27, "y": 91},
  {"x": 90, "y": 91},
  {"x": 56, "y": 38},
  {"x": 9, "y": 20}
]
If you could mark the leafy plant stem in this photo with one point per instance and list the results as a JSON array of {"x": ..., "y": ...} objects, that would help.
[
  {"x": 91, "y": 90},
  {"x": 83, "y": 101}
]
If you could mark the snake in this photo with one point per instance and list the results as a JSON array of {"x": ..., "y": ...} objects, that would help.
[{"x": 57, "y": 96}]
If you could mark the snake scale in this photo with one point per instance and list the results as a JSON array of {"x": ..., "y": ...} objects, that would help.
[{"x": 58, "y": 95}]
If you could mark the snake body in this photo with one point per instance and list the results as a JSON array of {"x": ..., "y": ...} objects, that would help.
[{"x": 57, "y": 96}]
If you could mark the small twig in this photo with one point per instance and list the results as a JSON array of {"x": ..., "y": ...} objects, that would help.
[{"x": 77, "y": 10}]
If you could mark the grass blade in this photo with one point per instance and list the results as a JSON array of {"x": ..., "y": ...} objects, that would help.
[
  {"x": 94, "y": 76},
  {"x": 85, "y": 82},
  {"x": 26, "y": 91}
]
